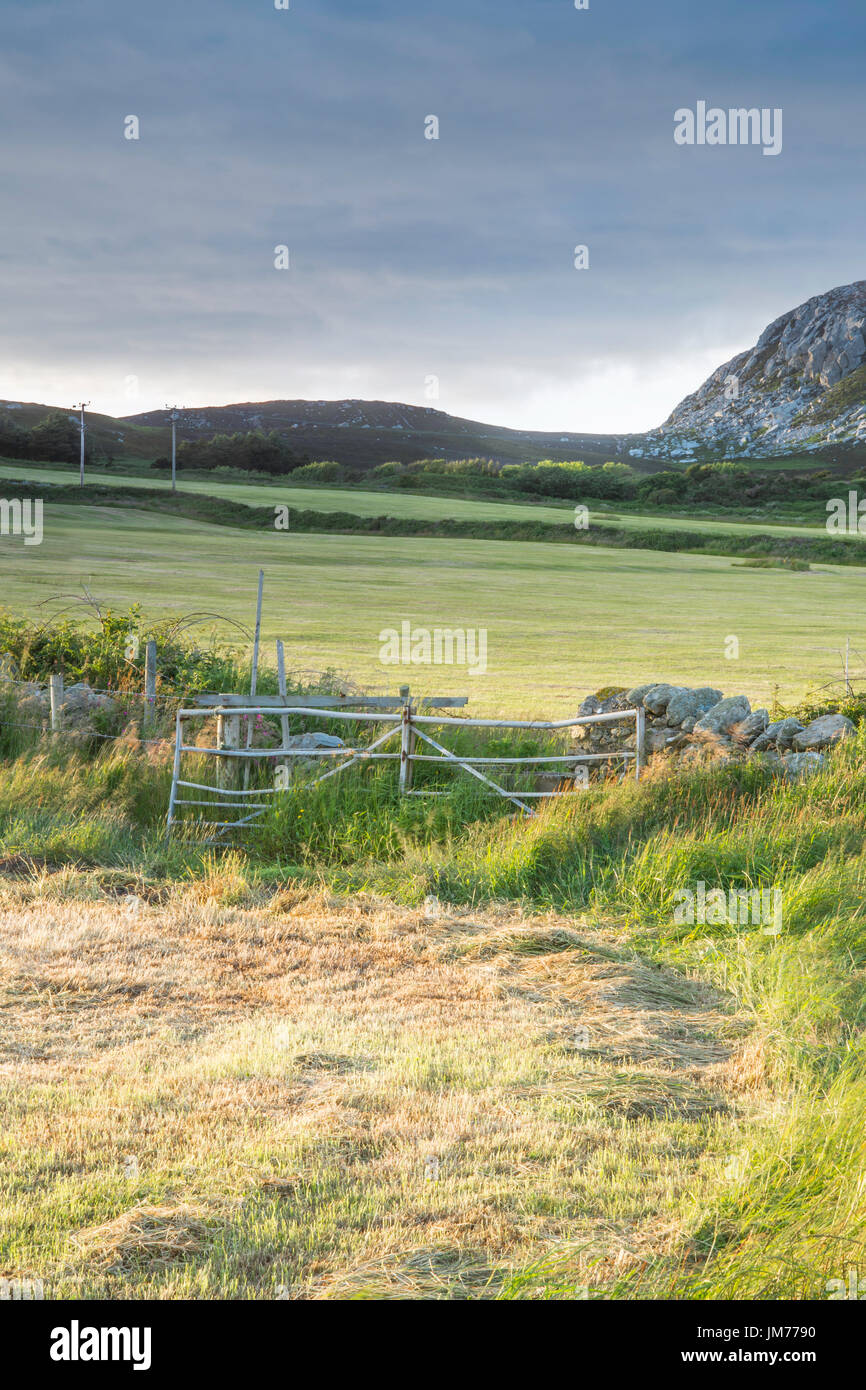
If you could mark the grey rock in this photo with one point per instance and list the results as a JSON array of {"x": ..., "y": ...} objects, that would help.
[
  {"x": 781, "y": 733},
  {"x": 752, "y": 727},
  {"x": 81, "y": 698},
  {"x": 691, "y": 704},
  {"x": 823, "y": 732},
  {"x": 313, "y": 740},
  {"x": 805, "y": 764},
  {"x": 659, "y": 738},
  {"x": 637, "y": 692},
  {"x": 724, "y": 715},
  {"x": 657, "y": 698}
]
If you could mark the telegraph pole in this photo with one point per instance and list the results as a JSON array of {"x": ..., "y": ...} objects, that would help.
[
  {"x": 173, "y": 417},
  {"x": 81, "y": 428}
]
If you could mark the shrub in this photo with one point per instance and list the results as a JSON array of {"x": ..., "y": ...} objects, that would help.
[{"x": 324, "y": 472}]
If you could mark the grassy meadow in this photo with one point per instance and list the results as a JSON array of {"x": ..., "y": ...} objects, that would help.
[
  {"x": 560, "y": 621},
  {"x": 393, "y": 1048}
]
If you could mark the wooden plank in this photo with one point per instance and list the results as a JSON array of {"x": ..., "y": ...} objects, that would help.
[
  {"x": 281, "y": 681},
  {"x": 228, "y": 741},
  {"x": 55, "y": 686},
  {"x": 325, "y": 702}
]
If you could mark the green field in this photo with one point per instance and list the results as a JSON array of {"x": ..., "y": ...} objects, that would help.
[
  {"x": 560, "y": 621},
  {"x": 410, "y": 505}
]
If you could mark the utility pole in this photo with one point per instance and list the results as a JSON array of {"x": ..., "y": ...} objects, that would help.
[
  {"x": 81, "y": 428},
  {"x": 173, "y": 417}
]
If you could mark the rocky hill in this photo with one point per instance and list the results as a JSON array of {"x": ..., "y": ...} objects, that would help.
[{"x": 800, "y": 389}]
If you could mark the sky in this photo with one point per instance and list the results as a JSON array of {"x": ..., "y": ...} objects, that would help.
[{"x": 137, "y": 272}]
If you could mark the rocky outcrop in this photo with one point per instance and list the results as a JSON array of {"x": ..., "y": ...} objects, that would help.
[{"x": 802, "y": 386}]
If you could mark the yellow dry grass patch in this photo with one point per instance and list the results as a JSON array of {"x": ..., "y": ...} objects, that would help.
[{"x": 331, "y": 1099}]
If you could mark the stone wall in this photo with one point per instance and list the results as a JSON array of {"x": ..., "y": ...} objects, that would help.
[{"x": 703, "y": 725}]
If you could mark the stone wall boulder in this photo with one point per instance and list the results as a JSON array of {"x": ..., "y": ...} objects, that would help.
[
  {"x": 781, "y": 733},
  {"x": 823, "y": 732},
  {"x": 798, "y": 765},
  {"x": 751, "y": 727},
  {"x": 658, "y": 697},
  {"x": 635, "y": 696},
  {"x": 33, "y": 701},
  {"x": 723, "y": 715},
  {"x": 605, "y": 701},
  {"x": 80, "y": 703},
  {"x": 690, "y": 705}
]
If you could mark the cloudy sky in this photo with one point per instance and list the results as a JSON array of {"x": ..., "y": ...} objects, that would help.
[{"x": 137, "y": 272}]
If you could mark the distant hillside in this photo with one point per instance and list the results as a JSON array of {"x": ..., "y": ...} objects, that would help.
[
  {"x": 109, "y": 436},
  {"x": 361, "y": 434}
]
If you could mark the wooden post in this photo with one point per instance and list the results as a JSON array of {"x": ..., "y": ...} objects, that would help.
[
  {"x": 639, "y": 742},
  {"x": 407, "y": 742},
  {"x": 149, "y": 682},
  {"x": 228, "y": 736},
  {"x": 55, "y": 686}
]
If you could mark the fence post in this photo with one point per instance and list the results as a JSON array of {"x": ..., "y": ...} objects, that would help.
[
  {"x": 55, "y": 686},
  {"x": 149, "y": 682},
  {"x": 407, "y": 745},
  {"x": 228, "y": 736},
  {"x": 639, "y": 742}
]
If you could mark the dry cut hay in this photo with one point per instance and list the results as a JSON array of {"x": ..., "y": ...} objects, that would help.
[{"x": 153, "y": 1235}]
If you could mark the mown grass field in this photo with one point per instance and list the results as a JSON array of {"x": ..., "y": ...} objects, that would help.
[
  {"x": 560, "y": 621},
  {"x": 406, "y": 504}
]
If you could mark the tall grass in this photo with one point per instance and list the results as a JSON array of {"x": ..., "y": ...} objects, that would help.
[{"x": 616, "y": 856}]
